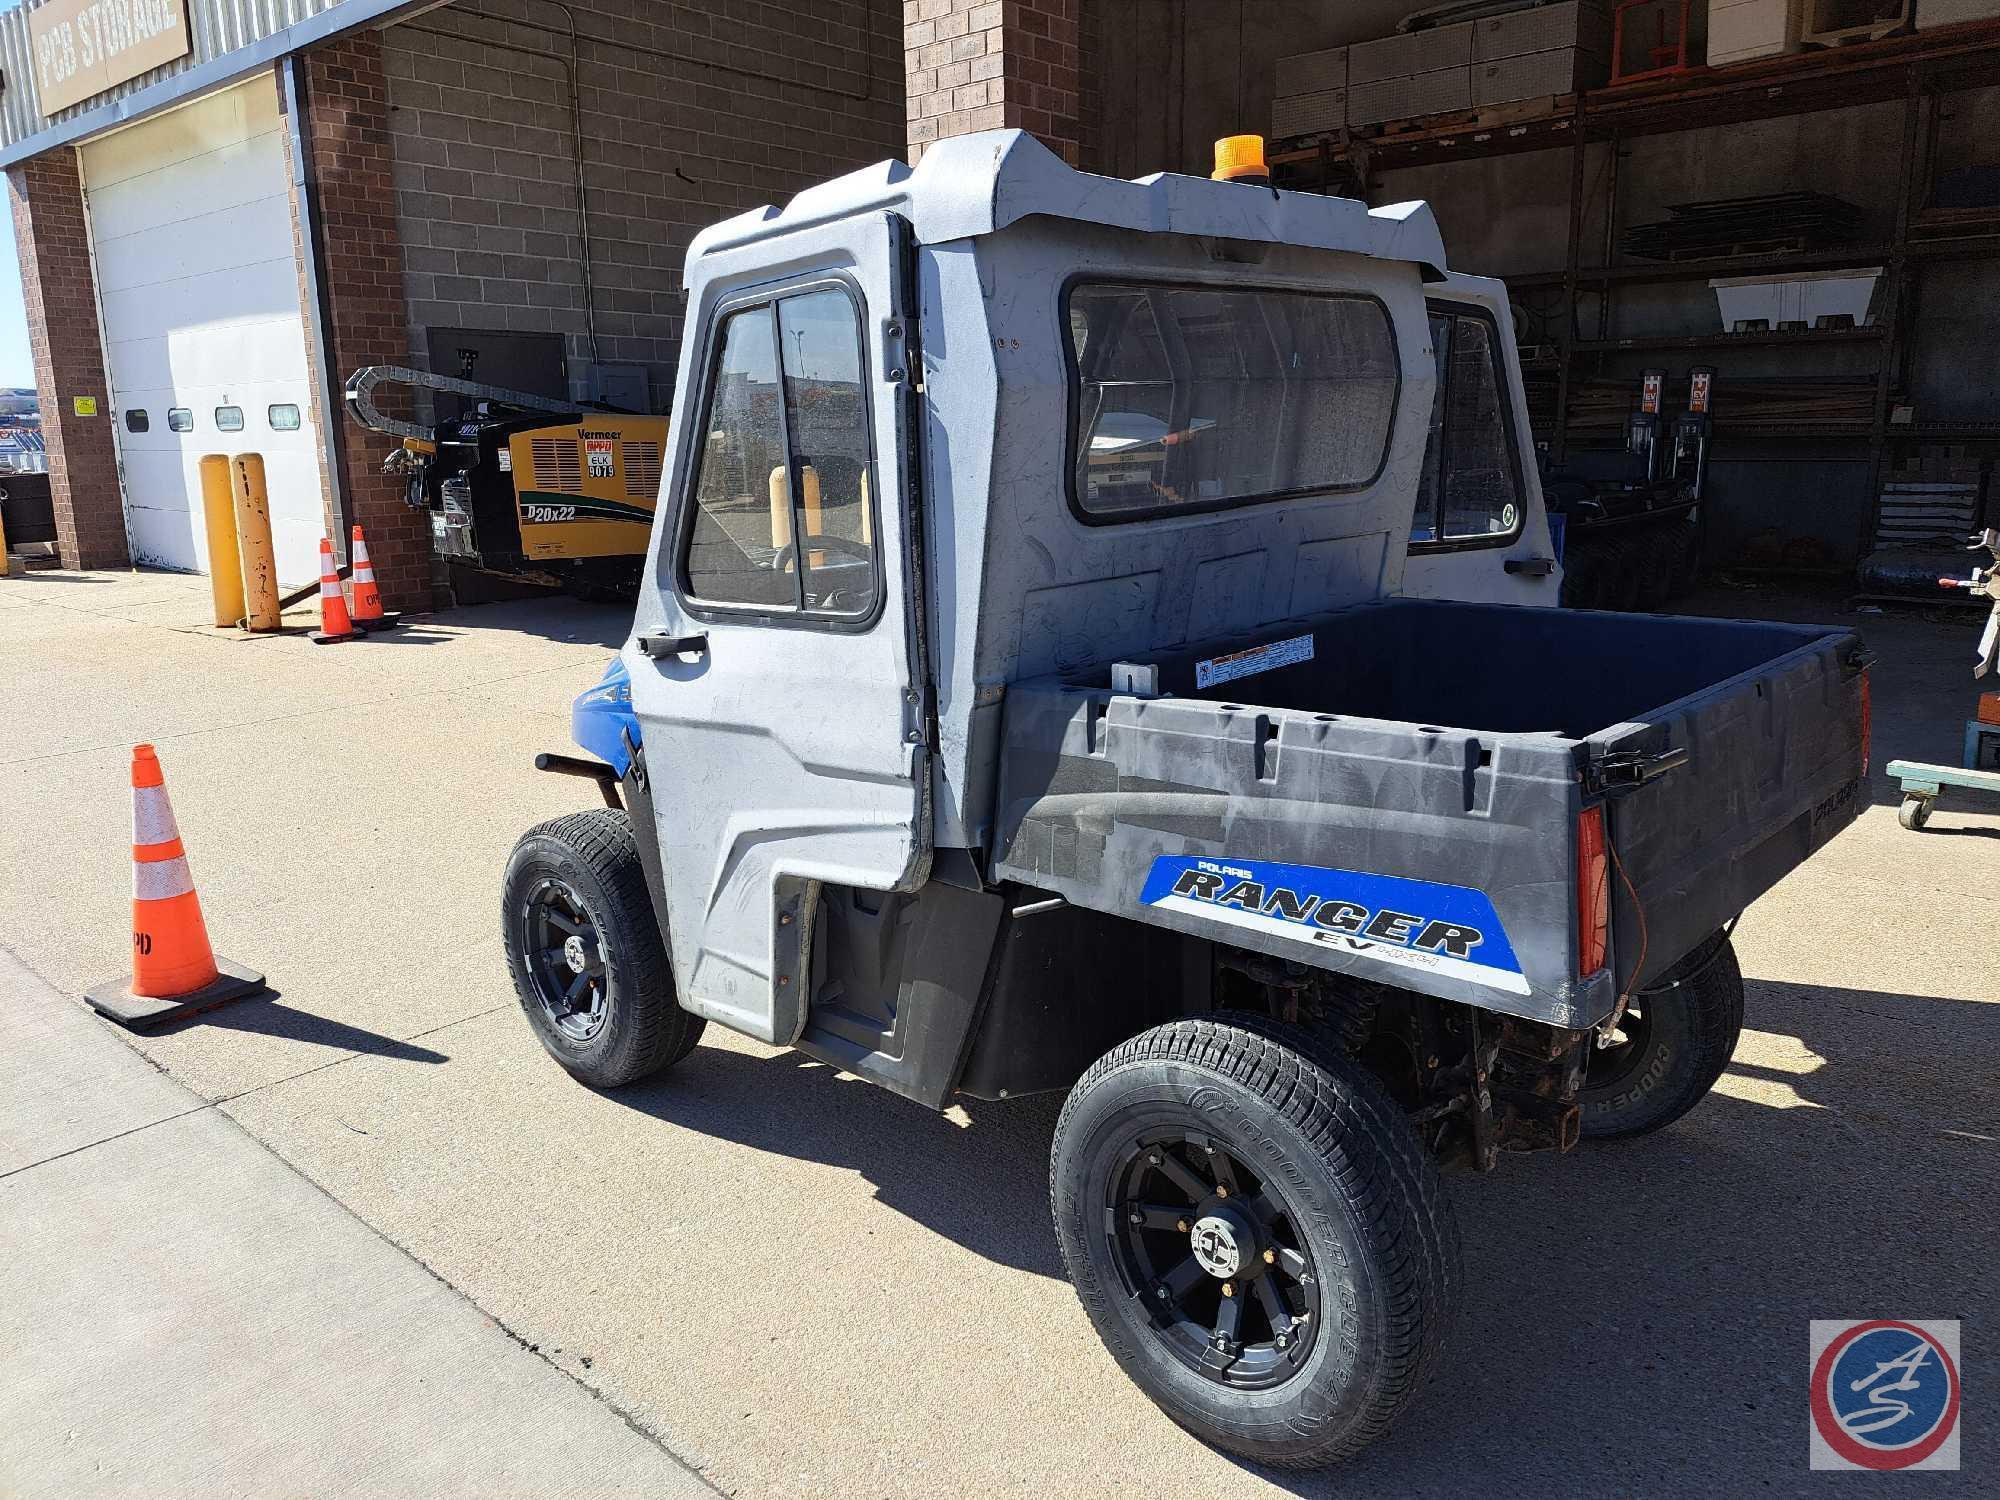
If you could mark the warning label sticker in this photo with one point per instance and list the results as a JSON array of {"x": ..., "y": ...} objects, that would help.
[{"x": 1252, "y": 660}]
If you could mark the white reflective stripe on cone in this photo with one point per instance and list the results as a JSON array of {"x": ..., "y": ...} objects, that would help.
[
  {"x": 328, "y": 586},
  {"x": 360, "y": 552},
  {"x": 157, "y": 880},
  {"x": 152, "y": 816},
  {"x": 363, "y": 573}
]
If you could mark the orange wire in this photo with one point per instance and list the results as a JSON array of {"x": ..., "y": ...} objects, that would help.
[{"x": 1639, "y": 911}]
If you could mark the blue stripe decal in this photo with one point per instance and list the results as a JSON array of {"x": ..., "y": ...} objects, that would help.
[{"x": 1449, "y": 929}]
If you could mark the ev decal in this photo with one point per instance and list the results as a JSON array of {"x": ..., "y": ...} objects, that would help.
[{"x": 1418, "y": 924}]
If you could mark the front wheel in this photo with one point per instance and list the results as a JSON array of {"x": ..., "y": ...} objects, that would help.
[
  {"x": 1257, "y": 1234},
  {"x": 1668, "y": 1049},
  {"x": 585, "y": 950}
]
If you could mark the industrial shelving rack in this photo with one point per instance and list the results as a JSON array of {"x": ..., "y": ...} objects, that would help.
[{"x": 1919, "y": 70}]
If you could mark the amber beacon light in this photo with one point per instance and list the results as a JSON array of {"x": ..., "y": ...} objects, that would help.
[{"x": 1240, "y": 158}]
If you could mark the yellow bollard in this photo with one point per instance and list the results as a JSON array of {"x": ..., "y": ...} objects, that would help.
[
  {"x": 253, "y": 541},
  {"x": 225, "y": 563}
]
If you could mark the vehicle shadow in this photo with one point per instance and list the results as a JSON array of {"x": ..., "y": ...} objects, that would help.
[
  {"x": 1634, "y": 1316},
  {"x": 977, "y": 1175},
  {"x": 263, "y": 1015}
]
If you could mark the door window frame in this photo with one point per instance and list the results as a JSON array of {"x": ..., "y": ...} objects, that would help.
[
  {"x": 1504, "y": 390},
  {"x": 694, "y": 447}
]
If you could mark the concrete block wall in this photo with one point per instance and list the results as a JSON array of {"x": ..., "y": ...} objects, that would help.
[
  {"x": 972, "y": 65},
  {"x": 689, "y": 113},
  {"x": 60, "y": 291}
]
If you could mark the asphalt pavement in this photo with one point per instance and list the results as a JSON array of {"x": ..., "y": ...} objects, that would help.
[{"x": 772, "y": 1275}]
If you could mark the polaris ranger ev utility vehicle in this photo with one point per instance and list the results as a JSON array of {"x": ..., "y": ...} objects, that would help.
[{"x": 1035, "y": 686}]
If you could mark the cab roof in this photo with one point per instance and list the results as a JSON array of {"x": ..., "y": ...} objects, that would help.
[{"x": 977, "y": 184}]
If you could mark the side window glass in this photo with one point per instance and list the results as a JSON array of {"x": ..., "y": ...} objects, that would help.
[
  {"x": 1470, "y": 488},
  {"x": 229, "y": 419},
  {"x": 136, "y": 420},
  {"x": 826, "y": 416},
  {"x": 781, "y": 499},
  {"x": 742, "y": 506},
  {"x": 1481, "y": 496},
  {"x": 283, "y": 417},
  {"x": 180, "y": 419}
]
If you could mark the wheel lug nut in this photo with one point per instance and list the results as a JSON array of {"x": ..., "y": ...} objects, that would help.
[
  {"x": 1153, "y": 1157},
  {"x": 1229, "y": 1289},
  {"x": 1283, "y": 1342},
  {"x": 1136, "y": 1217},
  {"x": 1181, "y": 1225},
  {"x": 1270, "y": 1257},
  {"x": 1221, "y": 1191}
]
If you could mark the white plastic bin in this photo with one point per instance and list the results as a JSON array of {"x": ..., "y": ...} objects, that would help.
[{"x": 1805, "y": 297}]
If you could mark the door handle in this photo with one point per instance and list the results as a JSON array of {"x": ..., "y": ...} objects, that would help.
[{"x": 658, "y": 646}]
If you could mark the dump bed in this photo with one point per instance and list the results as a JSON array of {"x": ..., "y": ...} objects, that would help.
[{"x": 1394, "y": 789}]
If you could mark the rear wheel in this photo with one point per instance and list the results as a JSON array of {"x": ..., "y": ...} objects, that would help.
[
  {"x": 589, "y": 967},
  {"x": 1668, "y": 1049},
  {"x": 1257, "y": 1235},
  {"x": 1914, "y": 813}
]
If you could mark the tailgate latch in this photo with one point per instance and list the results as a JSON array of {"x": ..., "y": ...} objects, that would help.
[{"x": 1625, "y": 771}]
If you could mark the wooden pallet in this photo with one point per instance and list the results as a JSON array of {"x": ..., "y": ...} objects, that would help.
[{"x": 1463, "y": 121}]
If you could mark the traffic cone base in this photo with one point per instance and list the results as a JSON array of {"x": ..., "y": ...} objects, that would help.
[
  {"x": 174, "y": 971},
  {"x": 116, "y": 1002},
  {"x": 389, "y": 619}
]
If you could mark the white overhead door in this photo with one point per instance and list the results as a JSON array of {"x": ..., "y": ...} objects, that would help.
[{"x": 191, "y": 231}]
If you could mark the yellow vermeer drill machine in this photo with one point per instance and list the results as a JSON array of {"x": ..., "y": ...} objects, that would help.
[{"x": 525, "y": 486}]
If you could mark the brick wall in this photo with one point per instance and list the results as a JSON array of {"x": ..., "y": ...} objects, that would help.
[
  {"x": 46, "y": 194},
  {"x": 347, "y": 108},
  {"x": 690, "y": 113},
  {"x": 973, "y": 65}
]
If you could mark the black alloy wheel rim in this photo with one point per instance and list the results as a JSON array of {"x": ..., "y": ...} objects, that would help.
[
  {"x": 1211, "y": 1254},
  {"x": 566, "y": 959},
  {"x": 1608, "y": 1066}
]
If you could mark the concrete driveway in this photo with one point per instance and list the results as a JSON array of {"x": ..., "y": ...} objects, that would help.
[{"x": 798, "y": 1284}]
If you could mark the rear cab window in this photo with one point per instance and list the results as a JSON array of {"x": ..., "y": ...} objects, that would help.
[
  {"x": 1188, "y": 397},
  {"x": 786, "y": 455},
  {"x": 1470, "y": 494}
]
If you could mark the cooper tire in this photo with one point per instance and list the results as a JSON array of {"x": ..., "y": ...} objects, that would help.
[
  {"x": 1677, "y": 1041},
  {"x": 1358, "y": 1226},
  {"x": 610, "y": 1017}
]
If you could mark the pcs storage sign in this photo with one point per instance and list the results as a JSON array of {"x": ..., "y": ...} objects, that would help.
[{"x": 83, "y": 47}]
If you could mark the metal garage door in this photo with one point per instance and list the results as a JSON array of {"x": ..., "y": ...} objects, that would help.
[{"x": 191, "y": 230}]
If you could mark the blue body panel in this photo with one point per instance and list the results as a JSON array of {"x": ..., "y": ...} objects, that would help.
[{"x": 601, "y": 717}]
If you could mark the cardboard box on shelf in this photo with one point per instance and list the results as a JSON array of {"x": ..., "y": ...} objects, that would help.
[
  {"x": 1543, "y": 28},
  {"x": 1406, "y": 98},
  {"x": 1312, "y": 73},
  {"x": 1741, "y": 30},
  {"x": 1561, "y": 70},
  {"x": 1408, "y": 53}
]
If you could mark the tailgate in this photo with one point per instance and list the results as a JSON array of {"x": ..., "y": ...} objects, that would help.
[{"x": 1775, "y": 768}]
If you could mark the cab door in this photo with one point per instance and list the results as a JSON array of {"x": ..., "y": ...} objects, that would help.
[{"x": 777, "y": 670}]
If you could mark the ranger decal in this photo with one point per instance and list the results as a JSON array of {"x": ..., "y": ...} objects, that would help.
[{"x": 1417, "y": 924}]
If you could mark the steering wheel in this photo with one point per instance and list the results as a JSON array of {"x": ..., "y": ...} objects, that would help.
[{"x": 839, "y": 545}]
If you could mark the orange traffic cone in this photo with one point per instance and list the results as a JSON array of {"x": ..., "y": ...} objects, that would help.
[
  {"x": 368, "y": 611},
  {"x": 174, "y": 971},
  {"x": 334, "y": 625}
]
